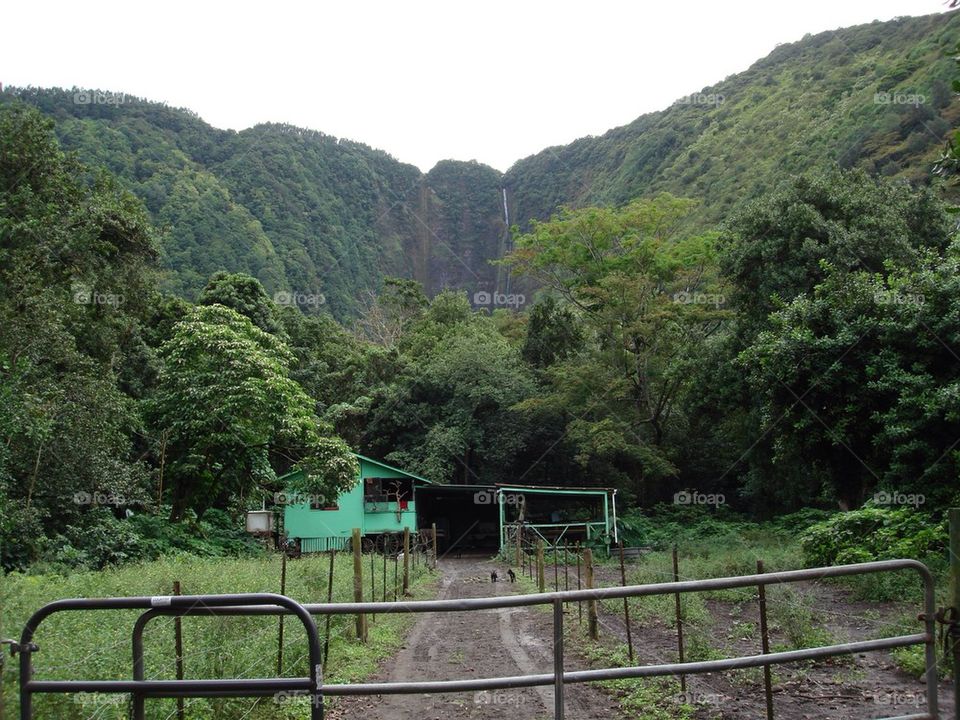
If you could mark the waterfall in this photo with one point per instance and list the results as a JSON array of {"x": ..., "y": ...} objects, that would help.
[{"x": 505, "y": 246}]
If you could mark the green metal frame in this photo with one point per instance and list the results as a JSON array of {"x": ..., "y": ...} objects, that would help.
[{"x": 607, "y": 494}]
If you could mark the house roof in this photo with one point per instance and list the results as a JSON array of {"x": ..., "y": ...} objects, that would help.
[
  {"x": 374, "y": 462},
  {"x": 394, "y": 469}
]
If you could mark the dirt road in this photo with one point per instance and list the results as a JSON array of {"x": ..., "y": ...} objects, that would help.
[{"x": 469, "y": 645}]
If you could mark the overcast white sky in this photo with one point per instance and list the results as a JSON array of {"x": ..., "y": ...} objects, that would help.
[{"x": 489, "y": 80}]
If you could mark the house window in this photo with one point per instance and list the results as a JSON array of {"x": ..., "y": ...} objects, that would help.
[
  {"x": 387, "y": 490},
  {"x": 317, "y": 505}
]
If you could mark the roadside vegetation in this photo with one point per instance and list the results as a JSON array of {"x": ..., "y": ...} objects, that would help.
[{"x": 96, "y": 644}]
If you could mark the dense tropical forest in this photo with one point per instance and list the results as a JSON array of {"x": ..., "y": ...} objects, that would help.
[
  {"x": 752, "y": 295},
  {"x": 310, "y": 214}
]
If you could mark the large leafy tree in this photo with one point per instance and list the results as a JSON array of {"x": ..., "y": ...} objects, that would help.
[
  {"x": 774, "y": 248},
  {"x": 227, "y": 403},
  {"x": 861, "y": 378},
  {"x": 645, "y": 293},
  {"x": 448, "y": 416},
  {"x": 75, "y": 272}
]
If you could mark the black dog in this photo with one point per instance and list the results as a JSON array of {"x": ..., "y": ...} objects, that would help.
[
  {"x": 512, "y": 575},
  {"x": 493, "y": 576}
]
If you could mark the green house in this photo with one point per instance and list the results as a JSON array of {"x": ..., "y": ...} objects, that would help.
[{"x": 384, "y": 500}]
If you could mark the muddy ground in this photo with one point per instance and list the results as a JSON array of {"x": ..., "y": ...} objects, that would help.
[{"x": 517, "y": 641}]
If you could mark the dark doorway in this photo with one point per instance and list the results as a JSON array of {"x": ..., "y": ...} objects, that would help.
[{"x": 467, "y": 517}]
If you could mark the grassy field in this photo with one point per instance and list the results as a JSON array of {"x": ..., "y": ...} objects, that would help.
[
  {"x": 96, "y": 645},
  {"x": 724, "y": 623}
]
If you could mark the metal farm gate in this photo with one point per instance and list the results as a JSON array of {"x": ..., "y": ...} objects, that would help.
[{"x": 142, "y": 689}]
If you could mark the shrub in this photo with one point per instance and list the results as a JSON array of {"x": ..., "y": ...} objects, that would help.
[{"x": 873, "y": 533}]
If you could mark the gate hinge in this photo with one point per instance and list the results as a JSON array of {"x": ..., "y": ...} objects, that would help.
[{"x": 16, "y": 647}]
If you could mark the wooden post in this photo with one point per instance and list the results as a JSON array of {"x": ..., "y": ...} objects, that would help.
[
  {"x": 519, "y": 546},
  {"x": 358, "y": 584},
  {"x": 178, "y": 650},
  {"x": 579, "y": 603},
  {"x": 406, "y": 560},
  {"x": 433, "y": 535},
  {"x": 540, "y": 564},
  {"x": 283, "y": 591},
  {"x": 679, "y": 612},
  {"x": 765, "y": 643},
  {"x": 591, "y": 604},
  {"x": 954, "y": 600},
  {"x": 556, "y": 575},
  {"x": 326, "y": 632},
  {"x": 626, "y": 604}
]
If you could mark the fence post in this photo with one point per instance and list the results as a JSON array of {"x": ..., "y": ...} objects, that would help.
[
  {"x": 326, "y": 632},
  {"x": 540, "y": 573},
  {"x": 358, "y": 584},
  {"x": 579, "y": 603},
  {"x": 283, "y": 591},
  {"x": 556, "y": 572},
  {"x": 765, "y": 643},
  {"x": 679, "y": 611},
  {"x": 373, "y": 584},
  {"x": 626, "y": 604},
  {"x": 558, "y": 708},
  {"x": 591, "y": 604},
  {"x": 384, "y": 572},
  {"x": 954, "y": 600},
  {"x": 433, "y": 532},
  {"x": 406, "y": 560},
  {"x": 178, "y": 650},
  {"x": 396, "y": 563},
  {"x": 566, "y": 569},
  {"x": 519, "y": 547}
]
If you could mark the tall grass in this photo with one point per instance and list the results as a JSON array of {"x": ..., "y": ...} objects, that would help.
[{"x": 96, "y": 644}]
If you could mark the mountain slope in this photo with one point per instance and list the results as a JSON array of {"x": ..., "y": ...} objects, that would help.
[
  {"x": 319, "y": 216},
  {"x": 874, "y": 96}
]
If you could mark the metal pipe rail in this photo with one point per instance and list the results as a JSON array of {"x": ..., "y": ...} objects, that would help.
[
  {"x": 174, "y": 605},
  {"x": 559, "y": 678}
]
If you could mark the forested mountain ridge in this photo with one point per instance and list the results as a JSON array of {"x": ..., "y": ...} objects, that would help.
[
  {"x": 325, "y": 219},
  {"x": 874, "y": 96}
]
